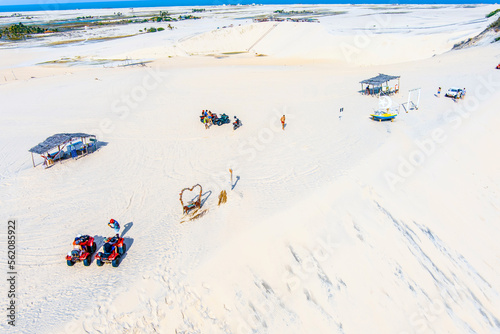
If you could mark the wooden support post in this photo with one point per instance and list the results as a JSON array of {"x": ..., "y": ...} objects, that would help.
[
  {"x": 83, "y": 146},
  {"x": 32, "y": 159}
]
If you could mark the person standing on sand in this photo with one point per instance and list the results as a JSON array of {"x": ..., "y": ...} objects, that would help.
[
  {"x": 114, "y": 225},
  {"x": 210, "y": 118},
  {"x": 283, "y": 122},
  {"x": 439, "y": 92},
  {"x": 463, "y": 93}
]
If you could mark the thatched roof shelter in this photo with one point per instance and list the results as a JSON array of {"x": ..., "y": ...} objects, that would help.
[
  {"x": 378, "y": 82},
  {"x": 59, "y": 141}
]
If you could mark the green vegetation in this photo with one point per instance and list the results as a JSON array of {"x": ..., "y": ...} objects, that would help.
[
  {"x": 164, "y": 16},
  {"x": 200, "y": 10},
  {"x": 493, "y": 13},
  {"x": 495, "y": 25},
  {"x": 23, "y": 31},
  {"x": 20, "y": 31},
  {"x": 188, "y": 17},
  {"x": 293, "y": 12},
  {"x": 153, "y": 29},
  {"x": 496, "y": 39}
]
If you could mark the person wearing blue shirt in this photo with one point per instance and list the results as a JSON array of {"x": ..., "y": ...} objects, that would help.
[{"x": 114, "y": 225}]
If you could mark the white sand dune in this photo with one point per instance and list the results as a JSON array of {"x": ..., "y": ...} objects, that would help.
[
  {"x": 314, "y": 41},
  {"x": 334, "y": 225}
]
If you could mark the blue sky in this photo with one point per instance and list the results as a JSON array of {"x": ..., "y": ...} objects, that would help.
[{"x": 45, "y": 2}]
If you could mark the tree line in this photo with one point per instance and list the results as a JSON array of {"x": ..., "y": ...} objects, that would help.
[{"x": 20, "y": 31}]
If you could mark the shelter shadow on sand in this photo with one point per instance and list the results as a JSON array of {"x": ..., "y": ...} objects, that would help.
[{"x": 100, "y": 144}]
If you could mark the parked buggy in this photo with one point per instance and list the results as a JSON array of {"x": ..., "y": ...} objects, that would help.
[{"x": 223, "y": 119}]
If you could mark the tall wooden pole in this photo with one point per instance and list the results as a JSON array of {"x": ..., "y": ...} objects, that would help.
[{"x": 32, "y": 159}]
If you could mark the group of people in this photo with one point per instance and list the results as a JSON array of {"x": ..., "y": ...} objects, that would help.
[
  {"x": 78, "y": 243},
  {"x": 383, "y": 89},
  {"x": 208, "y": 117}
]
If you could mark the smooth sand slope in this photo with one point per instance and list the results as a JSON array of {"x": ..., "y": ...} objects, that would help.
[{"x": 334, "y": 225}]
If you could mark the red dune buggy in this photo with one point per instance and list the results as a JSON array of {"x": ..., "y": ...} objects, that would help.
[
  {"x": 112, "y": 251},
  {"x": 88, "y": 247}
]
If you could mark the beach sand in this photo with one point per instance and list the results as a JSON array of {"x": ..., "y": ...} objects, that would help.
[{"x": 337, "y": 224}]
